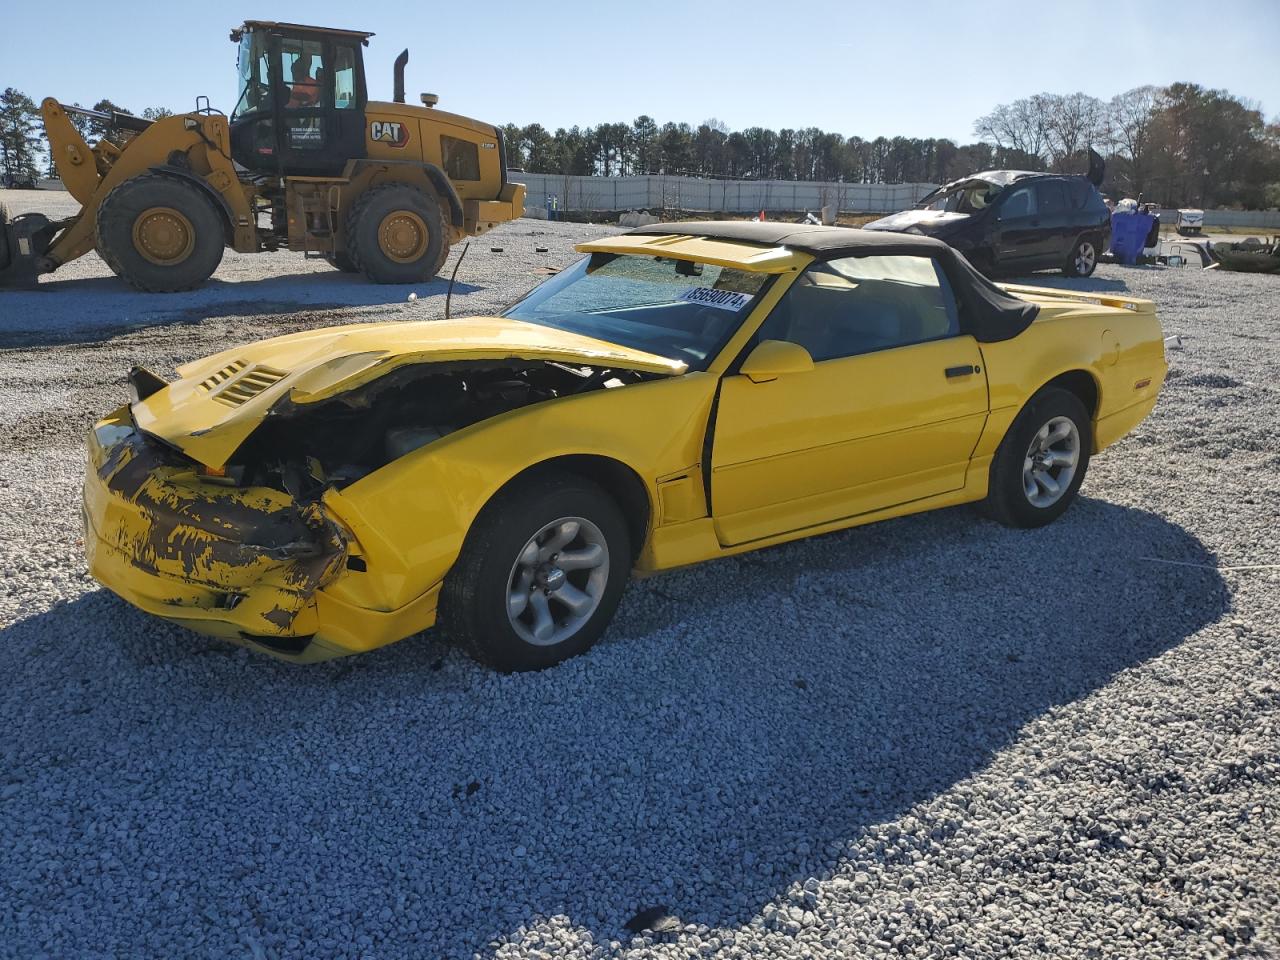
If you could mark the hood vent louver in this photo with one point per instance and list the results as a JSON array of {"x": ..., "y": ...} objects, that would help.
[
  {"x": 209, "y": 384},
  {"x": 234, "y": 385}
]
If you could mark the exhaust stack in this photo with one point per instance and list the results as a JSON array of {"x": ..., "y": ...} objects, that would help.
[{"x": 398, "y": 95}]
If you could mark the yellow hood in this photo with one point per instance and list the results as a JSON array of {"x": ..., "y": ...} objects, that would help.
[{"x": 220, "y": 400}]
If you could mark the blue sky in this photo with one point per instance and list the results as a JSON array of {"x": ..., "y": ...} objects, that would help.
[{"x": 916, "y": 69}]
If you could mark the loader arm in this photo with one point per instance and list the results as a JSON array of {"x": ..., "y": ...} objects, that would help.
[
  {"x": 72, "y": 157},
  {"x": 200, "y": 139}
]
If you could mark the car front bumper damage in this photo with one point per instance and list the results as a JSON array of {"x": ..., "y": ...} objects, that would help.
[{"x": 240, "y": 564}]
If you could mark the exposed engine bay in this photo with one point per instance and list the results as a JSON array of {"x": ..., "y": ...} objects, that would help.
[{"x": 304, "y": 448}]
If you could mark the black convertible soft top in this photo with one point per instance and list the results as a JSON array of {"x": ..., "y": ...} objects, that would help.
[{"x": 986, "y": 311}]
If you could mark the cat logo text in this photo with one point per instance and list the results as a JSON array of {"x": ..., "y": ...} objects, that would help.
[{"x": 390, "y": 132}]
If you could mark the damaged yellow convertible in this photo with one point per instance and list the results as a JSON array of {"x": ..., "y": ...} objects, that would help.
[{"x": 683, "y": 392}]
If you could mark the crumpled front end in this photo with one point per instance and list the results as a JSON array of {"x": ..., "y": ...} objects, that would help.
[
  {"x": 928, "y": 222},
  {"x": 243, "y": 564}
]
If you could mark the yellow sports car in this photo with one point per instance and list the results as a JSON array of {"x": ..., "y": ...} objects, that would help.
[{"x": 681, "y": 393}]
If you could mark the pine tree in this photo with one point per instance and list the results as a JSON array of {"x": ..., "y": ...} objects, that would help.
[{"x": 19, "y": 135}]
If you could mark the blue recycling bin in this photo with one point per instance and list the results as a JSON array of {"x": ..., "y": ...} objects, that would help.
[{"x": 1129, "y": 235}]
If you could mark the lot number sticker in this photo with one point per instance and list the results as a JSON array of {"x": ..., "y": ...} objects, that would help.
[{"x": 720, "y": 299}]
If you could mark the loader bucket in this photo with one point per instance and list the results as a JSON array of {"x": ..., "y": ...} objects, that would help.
[{"x": 24, "y": 240}]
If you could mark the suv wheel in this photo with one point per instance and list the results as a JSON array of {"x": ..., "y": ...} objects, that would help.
[{"x": 1083, "y": 259}]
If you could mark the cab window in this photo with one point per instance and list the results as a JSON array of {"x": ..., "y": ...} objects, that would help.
[
  {"x": 344, "y": 79},
  {"x": 303, "y": 69},
  {"x": 856, "y": 305},
  {"x": 255, "y": 84}
]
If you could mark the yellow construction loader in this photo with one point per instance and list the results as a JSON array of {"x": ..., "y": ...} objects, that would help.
[{"x": 306, "y": 162}]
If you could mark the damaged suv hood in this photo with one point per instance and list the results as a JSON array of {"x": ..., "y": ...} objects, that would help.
[
  {"x": 220, "y": 400},
  {"x": 926, "y": 221}
]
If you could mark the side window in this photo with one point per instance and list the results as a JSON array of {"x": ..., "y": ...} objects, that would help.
[
  {"x": 1020, "y": 203},
  {"x": 1079, "y": 190},
  {"x": 302, "y": 67},
  {"x": 855, "y": 305},
  {"x": 344, "y": 79},
  {"x": 1053, "y": 196},
  {"x": 461, "y": 158}
]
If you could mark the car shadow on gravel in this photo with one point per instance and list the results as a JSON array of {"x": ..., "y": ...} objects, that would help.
[
  {"x": 89, "y": 310},
  {"x": 741, "y": 726}
]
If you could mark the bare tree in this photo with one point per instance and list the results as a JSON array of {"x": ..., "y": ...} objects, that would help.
[
  {"x": 1023, "y": 125},
  {"x": 1131, "y": 116},
  {"x": 1075, "y": 122}
]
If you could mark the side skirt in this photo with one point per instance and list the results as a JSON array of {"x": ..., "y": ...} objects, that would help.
[{"x": 683, "y": 544}]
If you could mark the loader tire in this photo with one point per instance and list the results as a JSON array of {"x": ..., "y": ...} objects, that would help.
[
  {"x": 396, "y": 234},
  {"x": 342, "y": 261},
  {"x": 160, "y": 235}
]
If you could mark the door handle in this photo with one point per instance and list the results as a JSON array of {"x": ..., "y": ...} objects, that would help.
[{"x": 963, "y": 371}]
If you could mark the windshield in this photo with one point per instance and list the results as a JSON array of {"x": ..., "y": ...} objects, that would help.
[
  {"x": 677, "y": 309},
  {"x": 254, "y": 89},
  {"x": 969, "y": 198}
]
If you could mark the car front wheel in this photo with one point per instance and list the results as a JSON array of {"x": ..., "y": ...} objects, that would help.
[
  {"x": 1083, "y": 259},
  {"x": 540, "y": 574},
  {"x": 1040, "y": 464}
]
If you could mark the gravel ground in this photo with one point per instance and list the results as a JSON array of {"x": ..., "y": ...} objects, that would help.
[{"x": 929, "y": 737}]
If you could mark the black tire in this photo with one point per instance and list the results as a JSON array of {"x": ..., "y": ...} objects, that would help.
[
  {"x": 473, "y": 602},
  {"x": 1007, "y": 499},
  {"x": 342, "y": 261},
  {"x": 1083, "y": 258},
  {"x": 365, "y": 221},
  {"x": 127, "y": 203}
]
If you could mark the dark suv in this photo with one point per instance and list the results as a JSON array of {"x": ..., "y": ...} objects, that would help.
[{"x": 1013, "y": 221}]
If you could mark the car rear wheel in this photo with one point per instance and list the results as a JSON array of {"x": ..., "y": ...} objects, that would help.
[
  {"x": 540, "y": 574},
  {"x": 1083, "y": 259},
  {"x": 1040, "y": 464}
]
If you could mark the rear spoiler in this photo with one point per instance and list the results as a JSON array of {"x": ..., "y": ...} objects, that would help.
[{"x": 1099, "y": 299}]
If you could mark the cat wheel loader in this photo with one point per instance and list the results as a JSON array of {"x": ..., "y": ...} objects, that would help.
[{"x": 305, "y": 162}]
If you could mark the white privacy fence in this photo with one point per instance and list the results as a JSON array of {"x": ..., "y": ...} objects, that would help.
[
  {"x": 607, "y": 194},
  {"x": 599, "y": 194}
]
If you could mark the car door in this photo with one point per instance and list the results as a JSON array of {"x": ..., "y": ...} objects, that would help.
[
  {"x": 1018, "y": 235},
  {"x": 890, "y": 411},
  {"x": 1057, "y": 236}
]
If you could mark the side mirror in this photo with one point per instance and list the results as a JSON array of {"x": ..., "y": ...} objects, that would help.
[{"x": 773, "y": 358}]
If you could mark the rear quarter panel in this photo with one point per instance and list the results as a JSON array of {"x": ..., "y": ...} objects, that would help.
[{"x": 1122, "y": 350}]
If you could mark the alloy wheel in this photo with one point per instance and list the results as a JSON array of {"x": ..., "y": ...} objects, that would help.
[
  {"x": 557, "y": 581},
  {"x": 1086, "y": 258},
  {"x": 1051, "y": 462}
]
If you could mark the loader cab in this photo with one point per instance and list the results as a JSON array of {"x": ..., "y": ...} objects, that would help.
[{"x": 300, "y": 108}]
